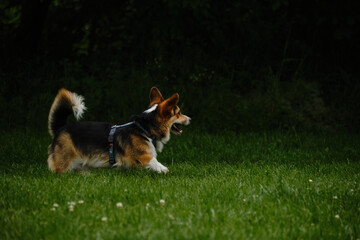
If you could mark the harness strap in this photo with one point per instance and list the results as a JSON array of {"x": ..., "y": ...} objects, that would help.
[
  {"x": 111, "y": 141},
  {"x": 111, "y": 138},
  {"x": 144, "y": 130},
  {"x": 152, "y": 137}
]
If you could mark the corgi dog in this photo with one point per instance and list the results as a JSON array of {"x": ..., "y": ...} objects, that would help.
[{"x": 83, "y": 145}]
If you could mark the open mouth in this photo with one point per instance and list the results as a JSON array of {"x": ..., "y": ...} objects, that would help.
[{"x": 176, "y": 130}]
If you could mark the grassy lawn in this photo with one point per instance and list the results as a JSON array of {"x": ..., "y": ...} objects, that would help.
[{"x": 226, "y": 186}]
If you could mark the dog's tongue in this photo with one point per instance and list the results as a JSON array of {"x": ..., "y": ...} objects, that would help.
[{"x": 177, "y": 130}]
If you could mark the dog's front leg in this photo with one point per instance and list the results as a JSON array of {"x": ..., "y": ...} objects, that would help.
[
  {"x": 152, "y": 163},
  {"x": 156, "y": 166}
]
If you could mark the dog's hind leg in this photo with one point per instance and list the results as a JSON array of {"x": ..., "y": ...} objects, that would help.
[{"x": 63, "y": 154}]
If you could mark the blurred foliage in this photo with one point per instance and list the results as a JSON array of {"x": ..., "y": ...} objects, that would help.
[{"x": 244, "y": 65}]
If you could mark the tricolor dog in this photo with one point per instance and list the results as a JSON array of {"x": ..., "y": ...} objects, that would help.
[{"x": 80, "y": 145}]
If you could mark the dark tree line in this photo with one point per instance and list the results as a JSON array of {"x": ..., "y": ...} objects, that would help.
[
  {"x": 263, "y": 32},
  {"x": 203, "y": 42}
]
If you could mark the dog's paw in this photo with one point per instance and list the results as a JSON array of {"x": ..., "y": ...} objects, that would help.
[
  {"x": 156, "y": 166},
  {"x": 164, "y": 170}
]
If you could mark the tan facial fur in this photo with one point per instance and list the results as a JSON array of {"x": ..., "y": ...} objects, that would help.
[{"x": 169, "y": 114}]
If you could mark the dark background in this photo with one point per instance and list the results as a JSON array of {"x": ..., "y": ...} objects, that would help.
[{"x": 238, "y": 65}]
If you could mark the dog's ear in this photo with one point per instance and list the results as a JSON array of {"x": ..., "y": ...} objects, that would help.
[
  {"x": 155, "y": 96},
  {"x": 168, "y": 105}
]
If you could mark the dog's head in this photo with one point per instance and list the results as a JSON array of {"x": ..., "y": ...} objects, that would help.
[{"x": 166, "y": 114}]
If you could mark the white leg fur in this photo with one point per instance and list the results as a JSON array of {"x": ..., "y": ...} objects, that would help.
[{"x": 156, "y": 166}]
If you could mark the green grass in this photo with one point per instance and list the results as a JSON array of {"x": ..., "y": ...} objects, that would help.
[{"x": 225, "y": 186}]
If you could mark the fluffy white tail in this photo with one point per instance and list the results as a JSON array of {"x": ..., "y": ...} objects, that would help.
[{"x": 65, "y": 103}]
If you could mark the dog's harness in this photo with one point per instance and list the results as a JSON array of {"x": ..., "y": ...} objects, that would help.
[{"x": 111, "y": 138}]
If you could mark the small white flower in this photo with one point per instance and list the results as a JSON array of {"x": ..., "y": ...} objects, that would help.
[
  {"x": 125, "y": 190},
  {"x": 71, "y": 208},
  {"x": 244, "y": 200},
  {"x": 104, "y": 219},
  {"x": 71, "y": 203},
  {"x": 119, "y": 205},
  {"x": 310, "y": 180},
  {"x": 337, "y": 216},
  {"x": 351, "y": 190},
  {"x": 55, "y": 205},
  {"x": 53, "y": 209},
  {"x": 147, "y": 206},
  {"x": 162, "y": 202},
  {"x": 334, "y": 197},
  {"x": 80, "y": 201}
]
